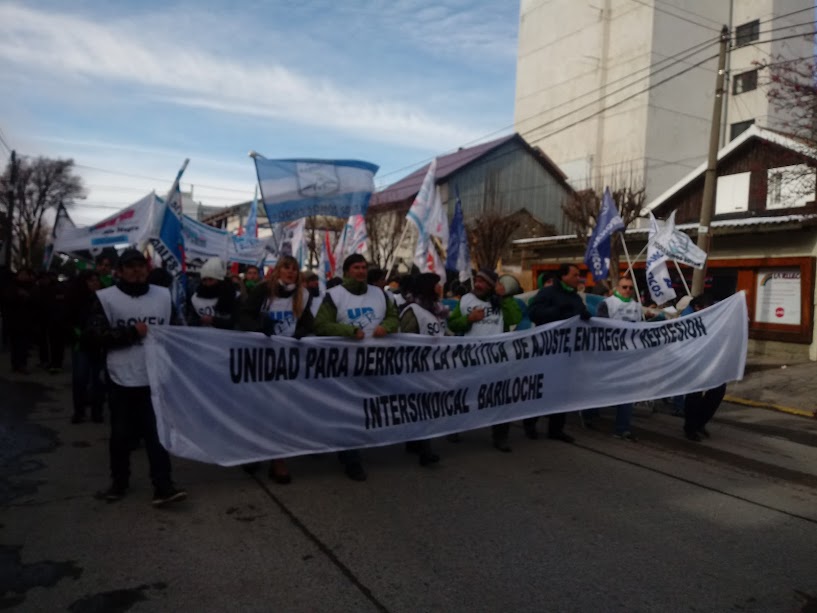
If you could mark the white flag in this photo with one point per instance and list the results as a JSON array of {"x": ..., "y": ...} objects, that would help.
[
  {"x": 678, "y": 246},
  {"x": 658, "y": 279}
]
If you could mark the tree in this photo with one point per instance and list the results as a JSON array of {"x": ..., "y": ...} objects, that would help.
[
  {"x": 582, "y": 210},
  {"x": 384, "y": 229},
  {"x": 792, "y": 93},
  {"x": 39, "y": 184},
  {"x": 490, "y": 231}
]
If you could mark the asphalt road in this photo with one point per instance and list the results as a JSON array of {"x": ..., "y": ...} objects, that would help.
[{"x": 604, "y": 525}]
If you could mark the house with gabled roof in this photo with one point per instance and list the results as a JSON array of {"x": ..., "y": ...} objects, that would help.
[
  {"x": 764, "y": 237},
  {"x": 505, "y": 174}
]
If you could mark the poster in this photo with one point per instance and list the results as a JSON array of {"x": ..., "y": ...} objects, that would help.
[{"x": 778, "y": 296}]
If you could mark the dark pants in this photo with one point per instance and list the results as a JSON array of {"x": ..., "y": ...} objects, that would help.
[
  {"x": 700, "y": 407},
  {"x": 52, "y": 346},
  {"x": 500, "y": 432},
  {"x": 18, "y": 339},
  {"x": 88, "y": 383},
  {"x": 349, "y": 456},
  {"x": 556, "y": 423},
  {"x": 132, "y": 417}
]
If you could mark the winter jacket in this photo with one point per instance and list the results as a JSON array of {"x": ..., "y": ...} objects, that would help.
[{"x": 555, "y": 303}]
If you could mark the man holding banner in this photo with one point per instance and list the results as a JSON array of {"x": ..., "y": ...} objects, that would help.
[
  {"x": 555, "y": 303},
  {"x": 120, "y": 319},
  {"x": 358, "y": 310}
]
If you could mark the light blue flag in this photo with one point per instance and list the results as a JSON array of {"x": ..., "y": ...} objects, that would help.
[
  {"x": 597, "y": 256},
  {"x": 292, "y": 189},
  {"x": 459, "y": 255},
  {"x": 251, "y": 225},
  {"x": 170, "y": 245}
]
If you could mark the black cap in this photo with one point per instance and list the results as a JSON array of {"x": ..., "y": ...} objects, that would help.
[
  {"x": 352, "y": 259},
  {"x": 489, "y": 275},
  {"x": 131, "y": 256}
]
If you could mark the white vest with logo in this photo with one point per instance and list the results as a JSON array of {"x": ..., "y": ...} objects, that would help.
[
  {"x": 492, "y": 323},
  {"x": 365, "y": 311},
  {"x": 126, "y": 365},
  {"x": 203, "y": 306},
  {"x": 280, "y": 311},
  {"x": 621, "y": 310},
  {"x": 429, "y": 324}
]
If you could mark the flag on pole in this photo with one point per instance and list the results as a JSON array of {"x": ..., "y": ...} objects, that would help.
[
  {"x": 251, "y": 225},
  {"x": 291, "y": 189},
  {"x": 597, "y": 255},
  {"x": 353, "y": 239},
  {"x": 459, "y": 255},
  {"x": 678, "y": 246},
  {"x": 658, "y": 279},
  {"x": 330, "y": 256},
  {"x": 326, "y": 266},
  {"x": 170, "y": 244},
  {"x": 61, "y": 222}
]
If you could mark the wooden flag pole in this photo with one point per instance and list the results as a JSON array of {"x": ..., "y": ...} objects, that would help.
[
  {"x": 632, "y": 274},
  {"x": 684, "y": 281}
]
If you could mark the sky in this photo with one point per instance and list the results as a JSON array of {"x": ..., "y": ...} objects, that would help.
[{"x": 130, "y": 89}]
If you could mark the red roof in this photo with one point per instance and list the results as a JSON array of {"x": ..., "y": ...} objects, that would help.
[{"x": 408, "y": 187}]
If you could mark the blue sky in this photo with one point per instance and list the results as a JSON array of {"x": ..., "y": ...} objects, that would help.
[{"x": 135, "y": 87}]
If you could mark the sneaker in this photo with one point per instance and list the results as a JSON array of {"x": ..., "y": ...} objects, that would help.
[
  {"x": 626, "y": 436},
  {"x": 692, "y": 436},
  {"x": 166, "y": 495},
  {"x": 703, "y": 432},
  {"x": 279, "y": 472},
  {"x": 112, "y": 494},
  {"x": 355, "y": 471},
  {"x": 562, "y": 436}
]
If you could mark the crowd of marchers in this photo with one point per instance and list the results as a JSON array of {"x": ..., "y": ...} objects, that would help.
[{"x": 102, "y": 314}]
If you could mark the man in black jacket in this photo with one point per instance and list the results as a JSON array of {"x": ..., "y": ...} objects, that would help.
[{"x": 555, "y": 303}]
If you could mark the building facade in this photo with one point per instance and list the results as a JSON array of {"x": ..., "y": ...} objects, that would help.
[{"x": 619, "y": 90}]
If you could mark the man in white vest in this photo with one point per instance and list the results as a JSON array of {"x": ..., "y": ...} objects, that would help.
[
  {"x": 357, "y": 310},
  {"x": 486, "y": 311},
  {"x": 623, "y": 307},
  {"x": 121, "y": 317}
]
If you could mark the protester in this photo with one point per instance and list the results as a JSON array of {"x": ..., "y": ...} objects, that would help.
[
  {"x": 554, "y": 303},
  {"x": 279, "y": 306},
  {"x": 104, "y": 268},
  {"x": 426, "y": 315},
  {"x": 312, "y": 284},
  {"x": 213, "y": 304},
  {"x": 700, "y": 407},
  {"x": 121, "y": 317},
  {"x": 252, "y": 277},
  {"x": 87, "y": 361},
  {"x": 19, "y": 316},
  {"x": 49, "y": 305},
  {"x": 357, "y": 310},
  {"x": 376, "y": 277},
  {"x": 486, "y": 312},
  {"x": 622, "y": 307}
]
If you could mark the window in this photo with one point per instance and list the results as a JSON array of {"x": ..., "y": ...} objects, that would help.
[
  {"x": 789, "y": 187},
  {"x": 744, "y": 82},
  {"x": 732, "y": 194},
  {"x": 736, "y": 129},
  {"x": 746, "y": 33}
]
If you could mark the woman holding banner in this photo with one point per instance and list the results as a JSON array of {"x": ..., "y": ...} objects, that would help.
[{"x": 280, "y": 306}]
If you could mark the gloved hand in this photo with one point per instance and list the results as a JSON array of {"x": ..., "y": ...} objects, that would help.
[
  {"x": 585, "y": 315},
  {"x": 268, "y": 327}
]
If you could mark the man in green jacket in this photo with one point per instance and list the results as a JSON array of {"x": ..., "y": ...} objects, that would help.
[{"x": 358, "y": 310}]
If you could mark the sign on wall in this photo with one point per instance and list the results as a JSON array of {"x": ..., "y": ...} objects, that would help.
[{"x": 778, "y": 296}]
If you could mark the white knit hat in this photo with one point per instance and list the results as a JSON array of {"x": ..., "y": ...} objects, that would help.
[{"x": 213, "y": 269}]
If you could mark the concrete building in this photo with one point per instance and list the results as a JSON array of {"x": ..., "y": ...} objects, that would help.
[{"x": 622, "y": 90}]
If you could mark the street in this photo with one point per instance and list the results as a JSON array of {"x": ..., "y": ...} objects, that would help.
[{"x": 664, "y": 524}]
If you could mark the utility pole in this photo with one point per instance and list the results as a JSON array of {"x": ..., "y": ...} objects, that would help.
[
  {"x": 711, "y": 177},
  {"x": 9, "y": 233}
]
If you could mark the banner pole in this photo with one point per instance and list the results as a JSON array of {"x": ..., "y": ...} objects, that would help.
[
  {"x": 632, "y": 273},
  {"x": 390, "y": 263},
  {"x": 684, "y": 281}
]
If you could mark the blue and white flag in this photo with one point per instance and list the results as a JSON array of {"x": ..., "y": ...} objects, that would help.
[
  {"x": 251, "y": 225},
  {"x": 459, "y": 255},
  {"x": 658, "y": 279},
  {"x": 292, "y": 189},
  {"x": 597, "y": 256},
  {"x": 170, "y": 245}
]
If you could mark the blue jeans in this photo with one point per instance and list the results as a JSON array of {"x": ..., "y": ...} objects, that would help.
[
  {"x": 624, "y": 413},
  {"x": 87, "y": 382}
]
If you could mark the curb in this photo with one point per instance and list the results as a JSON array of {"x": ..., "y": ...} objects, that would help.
[{"x": 770, "y": 406}]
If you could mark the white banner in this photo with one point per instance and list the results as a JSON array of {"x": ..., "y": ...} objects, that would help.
[
  {"x": 130, "y": 226},
  {"x": 231, "y": 397},
  {"x": 202, "y": 242}
]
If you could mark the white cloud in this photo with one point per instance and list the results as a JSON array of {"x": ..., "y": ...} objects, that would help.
[{"x": 79, "y": 52}]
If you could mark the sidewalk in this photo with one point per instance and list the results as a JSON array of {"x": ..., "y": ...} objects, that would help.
[{"x": 771, "y": 383}]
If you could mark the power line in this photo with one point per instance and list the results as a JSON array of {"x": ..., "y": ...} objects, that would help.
[
  {"x": 655, "y": 7},
  {"x": 683, "y": 10}
]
